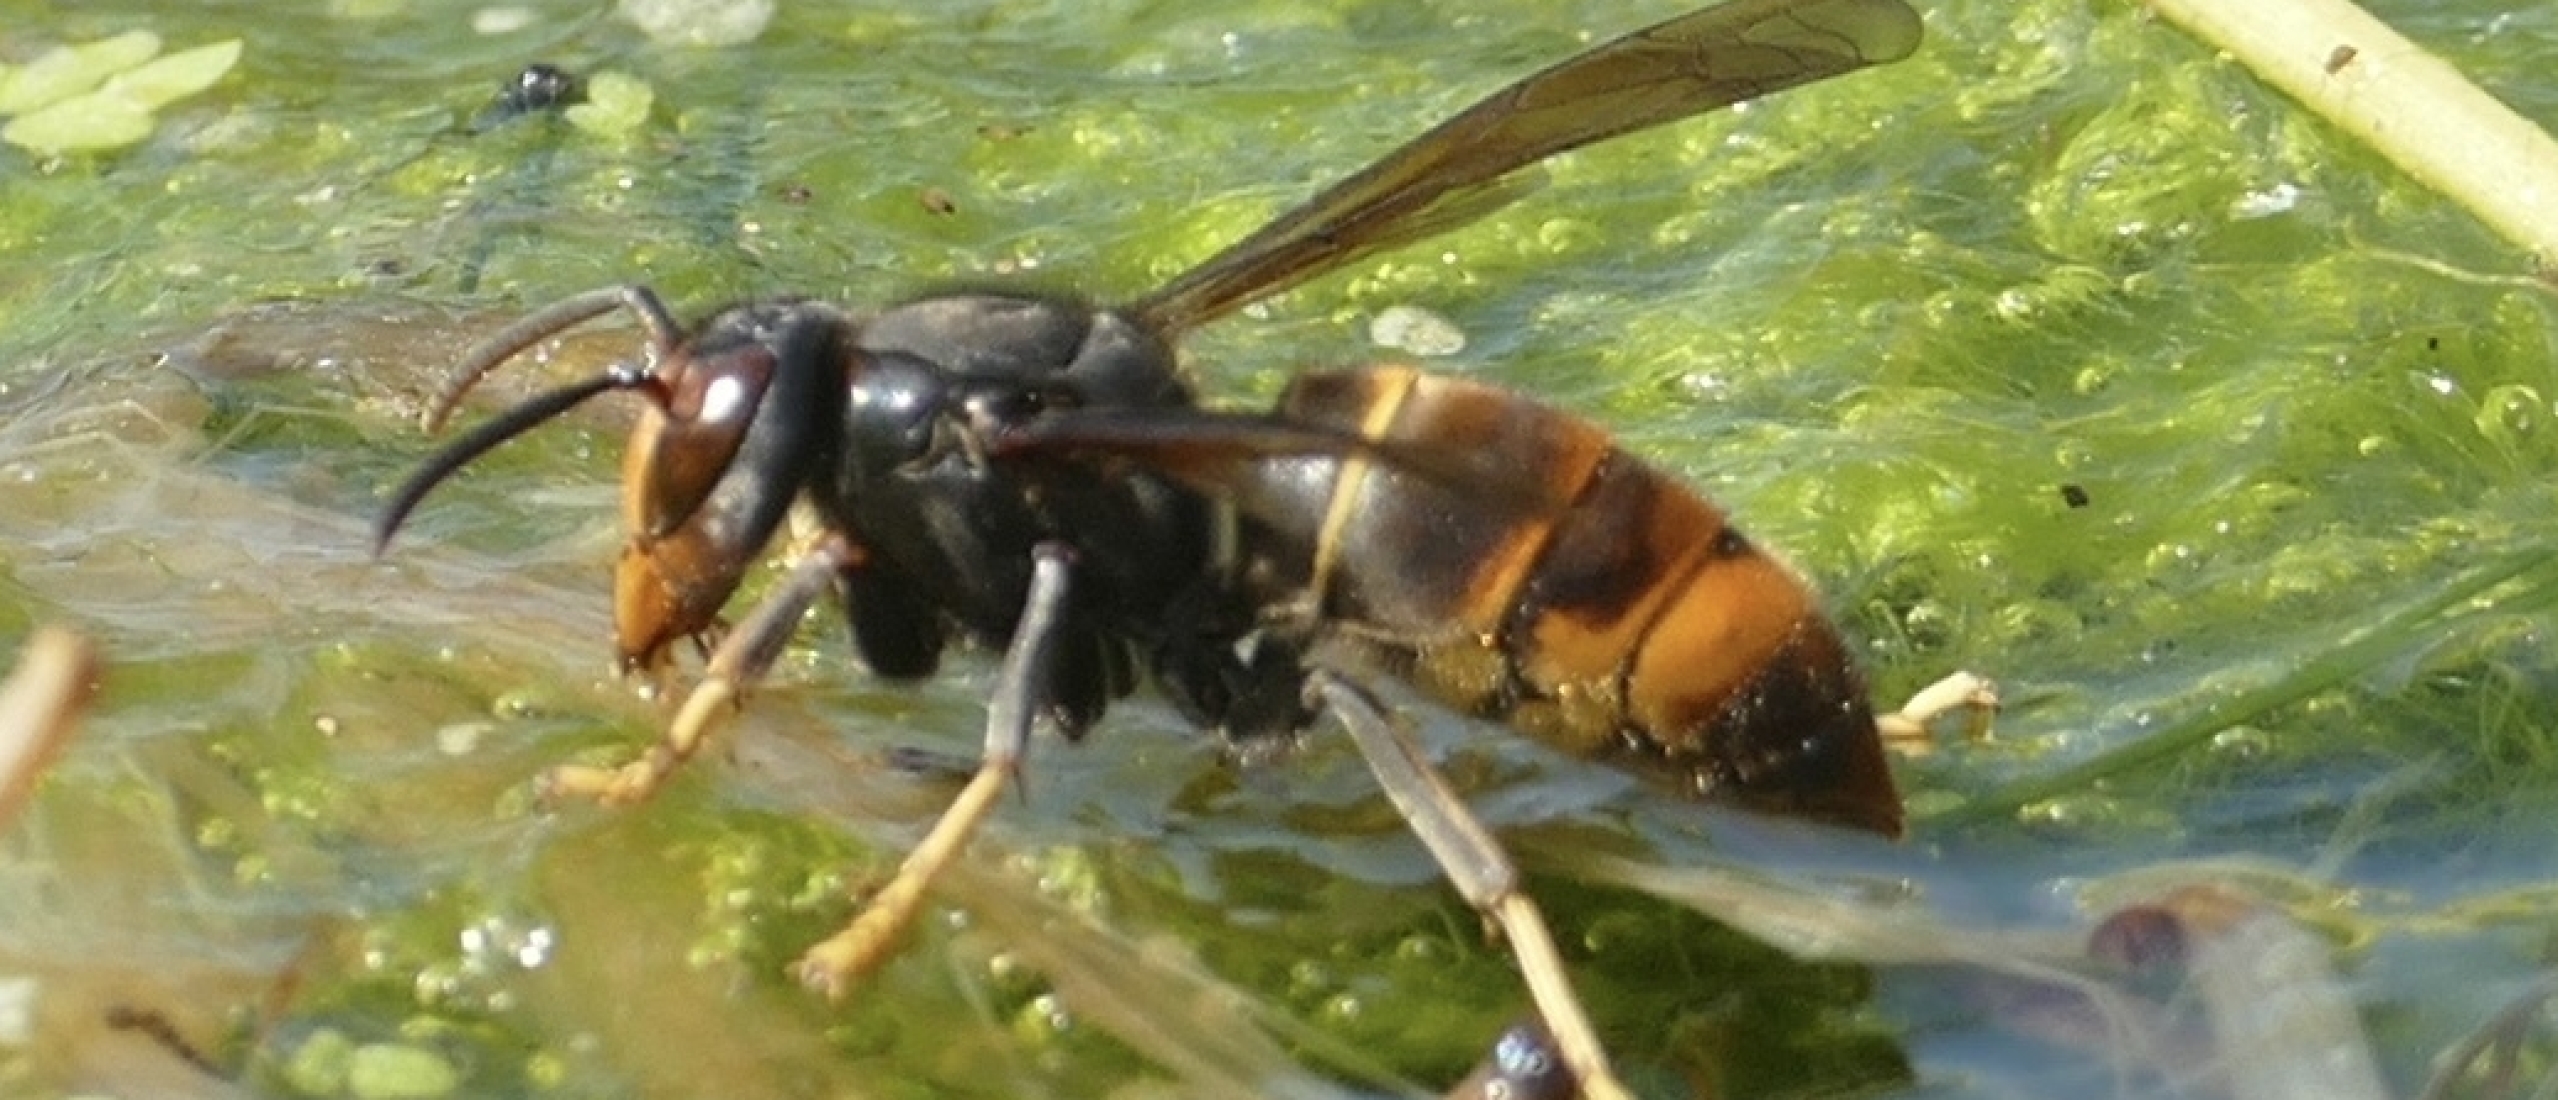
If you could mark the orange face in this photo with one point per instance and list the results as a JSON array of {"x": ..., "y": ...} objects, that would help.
[
  {"x": 697, "y": 501},
  {"x": 671, "y": 585}
]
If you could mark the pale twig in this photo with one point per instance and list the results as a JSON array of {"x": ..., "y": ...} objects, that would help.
[{"x": 2411, "y": 106}]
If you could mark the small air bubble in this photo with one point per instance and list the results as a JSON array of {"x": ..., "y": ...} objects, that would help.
[
  {"x": 2509, "y": 413},
  {"x": 460, "y": 738},
  {"x": 2281, "y": 198}
]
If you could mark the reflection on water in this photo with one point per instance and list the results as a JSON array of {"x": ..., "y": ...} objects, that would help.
[{"x": 301, "y": 826}]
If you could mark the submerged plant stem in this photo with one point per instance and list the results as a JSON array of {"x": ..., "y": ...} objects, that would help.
[
  {"x": 39, "y": 707},
  {"x": 2532, "y": 572},
  {"x": 2413, "y": 107}
]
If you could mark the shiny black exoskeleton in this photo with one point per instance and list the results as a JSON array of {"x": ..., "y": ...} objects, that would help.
[
  {"x": 891, "y": 429},
  {"x": 1035, "y": 474},
  {"x": 948, "y": 524}
]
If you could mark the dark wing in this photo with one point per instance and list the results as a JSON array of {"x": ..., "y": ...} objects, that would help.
[
  {"x": 1213, "y": 451},
  {"x": 1691, "y": 64}
]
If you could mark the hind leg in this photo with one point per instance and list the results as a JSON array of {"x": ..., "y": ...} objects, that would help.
[{"x": 1481, "y": 872}]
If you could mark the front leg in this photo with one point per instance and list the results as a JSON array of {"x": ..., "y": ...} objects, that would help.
[{"x": 741, "y": 660}]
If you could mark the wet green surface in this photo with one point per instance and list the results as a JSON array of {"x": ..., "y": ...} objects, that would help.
[{"x": 1890, "y": 321}]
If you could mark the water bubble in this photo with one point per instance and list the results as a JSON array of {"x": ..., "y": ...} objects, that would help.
[
  {"x": 2278, "y": 199},
  {"x": 2244, "y": 742},
  {"x": 2509, "y": 413}
]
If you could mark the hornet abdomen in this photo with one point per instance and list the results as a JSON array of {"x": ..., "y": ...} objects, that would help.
[{"x": 1514, "y": 562}]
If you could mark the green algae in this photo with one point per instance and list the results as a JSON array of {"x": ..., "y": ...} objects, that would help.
[{"x": 1899, "y": 324}]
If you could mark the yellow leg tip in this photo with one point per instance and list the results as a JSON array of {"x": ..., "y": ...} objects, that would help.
[
  {"x": 623, "y": 786},
  {"x": 1910, "y": 731},
  {"x": 833, "y": 967}
]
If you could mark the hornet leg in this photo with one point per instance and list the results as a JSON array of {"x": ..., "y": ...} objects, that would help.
[
  {"x": 1909, "y": 729},
  {"x": 743, "y": 657},
  {"x": 1021, "y": 686},
  {"x": 1479, "y": 869}
]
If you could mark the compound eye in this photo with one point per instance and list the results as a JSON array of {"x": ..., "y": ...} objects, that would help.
[{"x": 679, "y": 452}]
